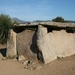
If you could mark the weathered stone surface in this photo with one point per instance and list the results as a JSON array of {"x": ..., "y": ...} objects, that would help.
[
  {"x": 26, "y": 44},
  {"x": 42, "y": 31},
  {"x": 56, "y": 24},
  {"x": 55, "y": 44},
  {"x": 11, "y": 45}
]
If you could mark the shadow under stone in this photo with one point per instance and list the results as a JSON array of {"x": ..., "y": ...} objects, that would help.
[
  {"x": 3, "y": 52},
  {"x": 33, "y": 46}
]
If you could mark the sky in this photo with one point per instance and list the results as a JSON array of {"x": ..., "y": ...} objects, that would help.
[{"x": 30, "y": 10}]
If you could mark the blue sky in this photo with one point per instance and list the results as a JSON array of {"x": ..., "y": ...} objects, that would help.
[{"x": 30, "y": 10}]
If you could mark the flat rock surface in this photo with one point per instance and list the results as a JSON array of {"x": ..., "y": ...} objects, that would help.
[{"x": 56, "y": 24}]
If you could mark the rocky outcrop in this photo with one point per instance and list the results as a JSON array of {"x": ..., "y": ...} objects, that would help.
[
  {"x": 11, "y": 45},
  {"x": 55, "y": 44}
]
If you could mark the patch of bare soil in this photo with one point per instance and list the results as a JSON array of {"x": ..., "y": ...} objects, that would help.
[{"x": 63, "y": 66}]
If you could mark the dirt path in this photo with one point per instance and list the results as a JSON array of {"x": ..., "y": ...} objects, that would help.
[
  {"x": 64, "y": 66},
  {"x": 58, "y": 67}
]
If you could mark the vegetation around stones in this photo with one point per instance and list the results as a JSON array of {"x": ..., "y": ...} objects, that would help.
[{"x": 5, "y": 25}]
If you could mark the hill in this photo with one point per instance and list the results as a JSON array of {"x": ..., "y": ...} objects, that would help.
[
  {"x": 71, "y": 21},
  {"x": 42, "y": 21},
  {"x": 18, "y": 20},
  {"x": 21, "y": 21}
]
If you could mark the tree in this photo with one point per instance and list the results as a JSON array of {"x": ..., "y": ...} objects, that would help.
[
  {"x": 59, "y": 19},
  {"x": 5, "y": 25}
]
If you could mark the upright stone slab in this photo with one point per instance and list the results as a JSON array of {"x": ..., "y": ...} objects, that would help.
[
  {"x": 42, "y": 31},
  {"x": 11, "y": 44},
  {"x": 26, "y": 44},
  {"x": 55, "y": 44}
]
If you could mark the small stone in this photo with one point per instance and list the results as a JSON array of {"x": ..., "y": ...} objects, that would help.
[
  {"x": 25, "y": 67},
  {"x": 22, "y": 61},
  {"x": 21, "y": 57},
  {"x": 29, "y": 68},
  {"x": 35, "y": 62},
  {"x": 14, "y": 59},
  {"x": 38, "y": 67},
  {"x": 25, "y": 62},
  {"x": 4, "y": 58}
]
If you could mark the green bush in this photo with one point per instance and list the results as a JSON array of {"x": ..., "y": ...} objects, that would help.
[
  {"x": 5, "y": 25},
  {"x": 59, "y": 19}
]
